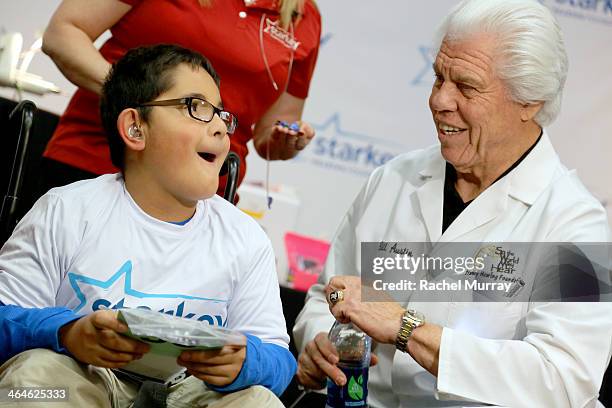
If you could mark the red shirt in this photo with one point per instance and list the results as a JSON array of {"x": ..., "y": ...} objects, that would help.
[{"x": 228, "y": 34}]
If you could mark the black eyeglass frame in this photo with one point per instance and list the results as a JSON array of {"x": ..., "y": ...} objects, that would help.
[{"x": 230, "y": 119}]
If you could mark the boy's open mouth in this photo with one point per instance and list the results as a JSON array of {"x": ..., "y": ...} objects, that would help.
[{"x": 209, "y": 157}]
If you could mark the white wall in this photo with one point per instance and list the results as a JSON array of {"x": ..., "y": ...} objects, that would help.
[
  {"x": 370, "y": 92},
  {"x": 374, "y": 73}
]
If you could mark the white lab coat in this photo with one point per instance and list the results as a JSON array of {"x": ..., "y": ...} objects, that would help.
[{"x": 508, "y": 354}]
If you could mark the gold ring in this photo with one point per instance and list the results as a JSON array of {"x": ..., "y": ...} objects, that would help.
[{"x": 336, "y": 296}]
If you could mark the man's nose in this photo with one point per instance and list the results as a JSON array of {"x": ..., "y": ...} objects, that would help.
[{"x": 443, "y": 98}]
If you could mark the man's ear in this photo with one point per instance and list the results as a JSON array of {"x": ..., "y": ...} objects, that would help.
[
  {"x": 130, "y": 130},
  {"x": 530, "y": 110}
]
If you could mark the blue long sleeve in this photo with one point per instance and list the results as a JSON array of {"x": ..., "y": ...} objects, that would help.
[
  {"x": 23, "y": 329},
  {"x": 266, "y": 364}
]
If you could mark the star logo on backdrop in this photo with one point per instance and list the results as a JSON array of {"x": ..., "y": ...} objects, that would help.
[
  {"x": 325, "y": 38},
  {"x": 334, "y": 127},
  {"x": 423, "y": 78}
]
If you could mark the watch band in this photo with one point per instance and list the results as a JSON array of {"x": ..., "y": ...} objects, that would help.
[{"x": 411, "y": 319}]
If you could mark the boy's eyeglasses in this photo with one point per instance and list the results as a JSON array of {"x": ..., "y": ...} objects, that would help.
[{"x": 200, "y": 109}]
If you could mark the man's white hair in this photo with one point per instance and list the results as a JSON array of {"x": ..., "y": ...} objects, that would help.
[{"x": 533, "y": 61}]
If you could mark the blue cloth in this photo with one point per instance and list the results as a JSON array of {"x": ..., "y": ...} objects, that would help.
[
  {"x": 23, "y": 329},
  {"x": 265, "y": 364},
  {"x": 181, "y": 222}
]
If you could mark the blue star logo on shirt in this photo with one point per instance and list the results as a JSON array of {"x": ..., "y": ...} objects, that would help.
[{"x": 124, "y": 272}]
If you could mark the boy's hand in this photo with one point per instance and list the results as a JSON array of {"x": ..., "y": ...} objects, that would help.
[
  {"x": 95, "y": 339},
  {"x": 217, "y": 367}
]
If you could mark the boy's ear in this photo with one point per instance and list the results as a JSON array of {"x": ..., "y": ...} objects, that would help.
[{"x": 130, "y": 130}]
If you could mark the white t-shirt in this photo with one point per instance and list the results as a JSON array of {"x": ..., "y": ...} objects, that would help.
[{"x": 88, "y": 246}]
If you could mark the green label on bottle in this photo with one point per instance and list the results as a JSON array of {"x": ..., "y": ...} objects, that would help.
[
  {"x": 353, "y": 394},
  {"x": 355, "y": 389}
]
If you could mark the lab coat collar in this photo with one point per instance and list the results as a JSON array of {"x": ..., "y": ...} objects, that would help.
[
  {"x": 535, "y": 173},
  {"x": 431, "y": 195},
  {"x": 488, "y": 205},
  {"x": 435, "y": 168},
  {"x": 524, "y": 183}
]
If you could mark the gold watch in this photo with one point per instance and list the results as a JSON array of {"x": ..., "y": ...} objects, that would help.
[{"x": 411, "y": 319}]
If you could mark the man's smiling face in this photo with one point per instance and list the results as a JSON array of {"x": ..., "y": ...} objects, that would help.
[{"x": 474, "y": 115}]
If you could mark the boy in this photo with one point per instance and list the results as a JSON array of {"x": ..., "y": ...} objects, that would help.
[{"x": 155, "y": 236}]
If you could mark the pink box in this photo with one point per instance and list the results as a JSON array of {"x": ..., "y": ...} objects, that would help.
[{"x": 306, "y": 257}]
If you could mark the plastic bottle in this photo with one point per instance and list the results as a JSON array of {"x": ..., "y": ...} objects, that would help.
[{"x": 353, "y": 347}]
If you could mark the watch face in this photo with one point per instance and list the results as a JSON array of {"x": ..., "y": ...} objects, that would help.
[{"x": 417, "y": 315}]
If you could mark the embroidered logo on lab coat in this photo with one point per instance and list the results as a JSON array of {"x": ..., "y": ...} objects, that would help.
[{"x": 501, "y": 265}]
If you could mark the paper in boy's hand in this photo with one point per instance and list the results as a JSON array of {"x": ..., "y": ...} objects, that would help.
[{"x": 168, "y": 337}]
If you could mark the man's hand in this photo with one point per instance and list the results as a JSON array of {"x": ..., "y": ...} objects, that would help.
[
  {"x": 216, "y": 367},
  {"x": 95, "y": 339},
  {"x": 318, "y": 361},
  {"x": 380, "y": 319}
]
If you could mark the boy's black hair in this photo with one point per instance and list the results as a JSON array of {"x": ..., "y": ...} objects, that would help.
[{"x": 139, "y": 77}]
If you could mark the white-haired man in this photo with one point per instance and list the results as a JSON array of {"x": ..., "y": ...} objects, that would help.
[{"x": 500, "y": 72}]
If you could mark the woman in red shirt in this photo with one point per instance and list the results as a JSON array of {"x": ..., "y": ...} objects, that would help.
[{"x": 264, "y": 51}]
